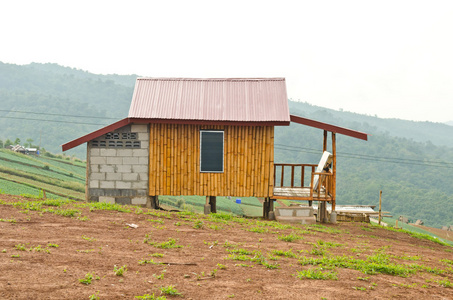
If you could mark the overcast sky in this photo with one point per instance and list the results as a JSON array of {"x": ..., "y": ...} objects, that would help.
[{"x": 393, "y": 59}]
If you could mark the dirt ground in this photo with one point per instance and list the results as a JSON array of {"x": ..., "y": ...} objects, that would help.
[{"x": 44, "y": 255}]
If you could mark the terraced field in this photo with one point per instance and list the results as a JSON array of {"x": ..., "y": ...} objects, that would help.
[{"x": 22, "y": 174}]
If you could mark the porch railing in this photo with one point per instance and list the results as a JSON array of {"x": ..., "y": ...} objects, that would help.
[
  {"x": 299, "y": 169},
  {"x": 297, "y": 174}
]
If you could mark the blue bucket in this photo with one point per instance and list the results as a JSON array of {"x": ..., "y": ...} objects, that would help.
[{"x": 238, "y": 201}]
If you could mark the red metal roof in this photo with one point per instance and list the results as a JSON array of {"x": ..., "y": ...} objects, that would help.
[
  {"x": 328, "y": 127},
  {"x": 211, "y": 99}
]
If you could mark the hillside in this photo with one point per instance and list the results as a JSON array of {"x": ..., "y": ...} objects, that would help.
[
  {"x": 411, "y": 162},
  {"x": 31, "y": 174},
  {"x": 66, "y": 250},
  {"x": 61, "y": 103}
]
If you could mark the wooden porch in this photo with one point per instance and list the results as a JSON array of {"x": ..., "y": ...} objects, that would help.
[{"x": 309, "y": 182}]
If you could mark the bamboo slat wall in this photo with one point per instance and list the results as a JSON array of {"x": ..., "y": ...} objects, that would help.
[{"x": 174, "y": 161}]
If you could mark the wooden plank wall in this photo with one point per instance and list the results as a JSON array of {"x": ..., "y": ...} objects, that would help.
[{"x": 174, "y": 161}]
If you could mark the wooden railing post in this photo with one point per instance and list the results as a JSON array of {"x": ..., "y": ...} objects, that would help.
[
  {"x": 302, "y": 176},
  {"x": 283, "y": 174}
]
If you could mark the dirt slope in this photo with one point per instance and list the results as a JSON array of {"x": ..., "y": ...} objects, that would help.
[{"x": 94, "y": 241}]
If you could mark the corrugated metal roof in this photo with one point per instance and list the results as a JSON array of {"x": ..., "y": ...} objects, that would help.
[{"x": 211, "y": 99}]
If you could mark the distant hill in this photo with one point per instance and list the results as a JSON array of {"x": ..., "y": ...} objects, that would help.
[
  {"x": 80, "y": 102},
  {"x": 412, "y": 162}
]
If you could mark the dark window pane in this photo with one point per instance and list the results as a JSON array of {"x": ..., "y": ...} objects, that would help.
[{"x": 211, "y": 151}]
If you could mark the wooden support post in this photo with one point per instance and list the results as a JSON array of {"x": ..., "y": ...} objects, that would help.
[
  {"x": 334, "y": 170},
  {"x": 213, "y": 203},
  {"x": 310, "y": 203},
  {"x": 87, "y": 173},
  {"x": 380, "y": 206},
  {"x": 153, "y": 202},
  {"x": 322, "y": 212},
  {"x": 324, "y": 142},
  {"x": 268, "y": 205}
]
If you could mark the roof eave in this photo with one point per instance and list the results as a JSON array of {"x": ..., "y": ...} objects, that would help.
[
  {"x": 126, "y": 121},
  {"x": 329, "y": 127},
  {"x": 95, "y": 134}
]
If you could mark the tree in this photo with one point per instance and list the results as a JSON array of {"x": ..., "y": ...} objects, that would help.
[
  {"x": 17, "y": 141},
  {"x": 30, "y": 141},
  {"x": 1, "y": 144},
  {"x": 8, "y": 142}
]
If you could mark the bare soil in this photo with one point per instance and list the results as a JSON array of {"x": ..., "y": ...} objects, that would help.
[{"x": 96, "y": 241}]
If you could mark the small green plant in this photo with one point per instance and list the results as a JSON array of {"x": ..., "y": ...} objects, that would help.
[
  {"x": 171, "y": 243},
  {"x": 363, "y": 278},
  {"x": 95, "y": 296},
  {"x": 20, "y": 247},
  {"x": 258, "y": 230},
  {"x": 88, "y": 278},
  {"x": 445, "y": 283},
  {"x": 290, "y": 237},
  {"x": 12, "y": 220},
  {"x": 156, "y": 221},
  {"x": 244, "y": 265},
  {"x": 119, "y": 271},
  {"x": 198, "y": 224},
  {"x": 288, "y": 253},
  {"x": 213, "y": 273},
  {"x": 221, "y": 267},
  {"x": 170, "y": 290},
  {"x": 15, "y": 256},
  {"x": 156, "y": 255},
  {"x": 86, "y": 238},
  {"x": 151, "y": 297},
  {"x": 447, "y": 261},
  {"x": 359, "y": 288},
  {"x": 85, "y": 251},
  {"x": 53, "y": 245},
  {"x": 228, "y": 245},
  {"x": 149, "y": 261},
  {"x": 161, "y": 276}
]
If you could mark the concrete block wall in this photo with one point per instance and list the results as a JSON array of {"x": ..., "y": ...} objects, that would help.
[{"x": 118, "y": 174}]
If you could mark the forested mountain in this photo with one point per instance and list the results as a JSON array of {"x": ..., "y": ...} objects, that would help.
[
  {"x": 78, "y": 102},
  {"x": 411, "y": 162}
]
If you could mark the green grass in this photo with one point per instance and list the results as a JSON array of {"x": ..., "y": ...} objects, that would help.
[
  {"x": 170, "y": 290},
  {"x": 171, "y": 243},
  {"x": 316, "y": 274},
  {"x": 290, "y": 237}
]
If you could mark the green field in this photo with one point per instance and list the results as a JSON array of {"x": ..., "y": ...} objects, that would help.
[{"x": 30, "y": 174}]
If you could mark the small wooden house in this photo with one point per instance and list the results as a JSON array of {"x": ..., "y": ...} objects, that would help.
[{"x": 208, "y": 137}]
